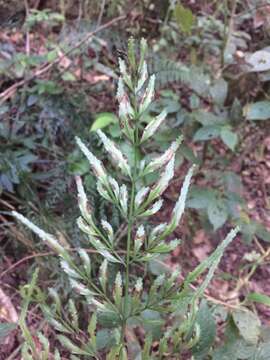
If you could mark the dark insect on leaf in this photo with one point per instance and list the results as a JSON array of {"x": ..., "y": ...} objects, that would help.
[{"x": 119, "y": 53}]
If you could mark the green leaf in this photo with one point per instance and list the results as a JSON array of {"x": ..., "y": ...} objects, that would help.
[
  {"x": 248, "y": 325},
  {"x": 188, "y": 153},
  {"x": 164, "y": 248},
  {"x": 257, "y": 111},
  {"x": 207, "y": 118},
  {"x": 265, "y": 333},
  {"x": 219, "y": 91},
  {"x": 105, "y": 338},
  {"x": 262, "y": 232},
  {"x": 79, "y": 167},
  {"x": 260, "y": 61},
  {"x": 217, "y": 213},
  {"x": 68, "y": 76},
  {"x": 200, "y": 198},
  {"x": 259, "y": 298},
  {"x": 147, "y": 347},
  {"x": 229, "y": 137},
  {"x": 263, "y": 352},
  {"x": 228, "y": 351},
  {"x": 152, "y": 322},
  {"x": 207, "y": 133},
  {"x": 113, "y": 354},
  {"x": 207, "y": 326},
  {"x": 74, "y": 349},
  {"x": 52, "y": 55},
  {"x": 184, "y": 18},
  {"x": 102, "y": 120},
  {"x": 157, "y": 266},
  {"x": 108, "y": 319}
]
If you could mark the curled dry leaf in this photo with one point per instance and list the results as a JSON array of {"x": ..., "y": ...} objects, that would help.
[
  {"x": 7, "y": 310},
  {"x": 262, "y": 17},
  {"x": 8, "y": 314}
]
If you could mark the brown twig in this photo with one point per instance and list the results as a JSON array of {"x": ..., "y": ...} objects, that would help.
[
  {"x": 27, "y": 45},
  {"x": 102, "y": 8},
  {"x": 227, "y": 37},
  {"x": 48, "y": 253},
  {"x": 45, "y": 68}
]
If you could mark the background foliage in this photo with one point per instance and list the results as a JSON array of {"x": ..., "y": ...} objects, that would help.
[{"x": 212, "y": 67}]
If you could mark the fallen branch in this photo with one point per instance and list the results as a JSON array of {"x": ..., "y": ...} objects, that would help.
[
  {"x": 43, "y": 254},
  {"x": 44, "y": 68}
]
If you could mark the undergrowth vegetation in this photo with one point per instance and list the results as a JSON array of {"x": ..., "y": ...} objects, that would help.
[
  {"x": 117, "y": 298},
  {"x": 124, "y": 288}
]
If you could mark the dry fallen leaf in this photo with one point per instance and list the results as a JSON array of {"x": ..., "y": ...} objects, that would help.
[
  {"x": 7, "y": 310},
  {"x": 262, "y": 17},
  {"x": 8, "y": 314},
  {"x": 200, "y": 237},
  {"x": 65, "y": 62},
  {"x": 202, "y": 252}
]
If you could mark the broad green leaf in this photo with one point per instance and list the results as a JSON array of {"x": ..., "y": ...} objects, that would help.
[
  {"x": 207, "y": 326},
  {"x": 228, "y": 351},
  {"x": 263, "y": 353},
  {"x": 207, "y": 133},
  {"x": 262, "y": 232},
  {"x": 157, "y": 266},
  {"x": 233, "y": 182},
  {"x": 194, "y": 102},
  {"x": 259, "y": 61},
  {"x": 115, "y": 131},
  {"x": 219, "y": 91},
  {"x": 188, "y": 153},
  {"x": 260, "y": 298},
  {"x": 245, "y": 350},
  {"x": 265, "y": 333},
  {"x": 152, "y": 322},
  {"x": 105, "y": 339},
  {"x": 248, "y": 325},
  {"x": 102, "y": 120},
  {"x": 207, "y": 118},
  {"x": 235, "y": 348},
  {"x": 184, "y": 18},
  {"x": 229, "y": 137},
  {"x": 200, "y": 198},
  {"x": 108, "y": 319},
  {"x": 257, "y": 111},
  {"x": 68, "y": 76},
  {"x": 52, "y": 55},
  {"x": 217, "y": 213}
]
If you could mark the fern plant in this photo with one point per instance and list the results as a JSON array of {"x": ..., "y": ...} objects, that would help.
[{"x": 121, "y": 293}]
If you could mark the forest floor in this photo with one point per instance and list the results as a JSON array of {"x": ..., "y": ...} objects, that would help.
[{"x": 236, "y": 276}]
